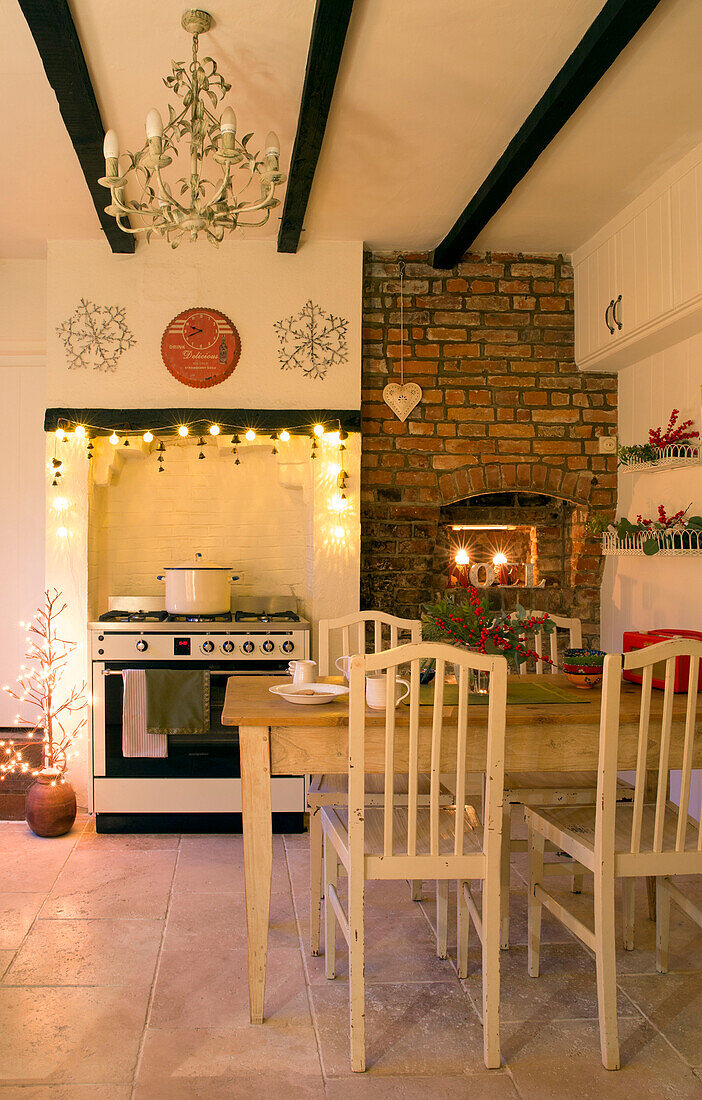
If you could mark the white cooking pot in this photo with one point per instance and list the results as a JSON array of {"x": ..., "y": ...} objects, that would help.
[{"x": 197, "y": 587}]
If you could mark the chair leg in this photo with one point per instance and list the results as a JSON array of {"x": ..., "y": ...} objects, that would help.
[
  {"x": 662, "y": 925},
  {"x": 442, "y": 900},
  {"x": 605, "y": 959},
  {"x": 536, "y": 845},
  {"x": 316, "y": 870},
  {"x": 504, "y": 875},
  {"x": 628, "y": 911},
  {"x": 357, "y": 978},
  {"x": 463, "y": 922},
  {"x": 416, "y": 889},
  {"x": 331, "y": 878},
  {"x": 491, "y": 972}
]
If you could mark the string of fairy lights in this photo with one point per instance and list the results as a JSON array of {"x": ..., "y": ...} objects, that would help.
[{"x": 334, "y": 435}]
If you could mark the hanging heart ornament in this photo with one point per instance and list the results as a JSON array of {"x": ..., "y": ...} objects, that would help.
[{"x": 402, "y": 399}]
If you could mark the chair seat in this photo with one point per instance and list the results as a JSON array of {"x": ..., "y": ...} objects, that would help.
[
  {"x": 375, "y": 784},
  {"x": 573, "y": 828},
  {"x": 374, "y": 820},
  {"x": 572, "y": 781}
]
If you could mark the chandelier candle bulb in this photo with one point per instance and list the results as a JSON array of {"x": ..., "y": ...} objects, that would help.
[
  {"x": 154, "y": 127},
  {"x": 110, "y": 148}
]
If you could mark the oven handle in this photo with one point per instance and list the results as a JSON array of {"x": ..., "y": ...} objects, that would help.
[{"x": 112, "y": 671}]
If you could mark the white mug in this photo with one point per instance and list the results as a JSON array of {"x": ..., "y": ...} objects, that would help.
[
  {"x": 344, "y": 665},
  {"x": 302, "y": 672},
  {"x": 377, "y": 691}
]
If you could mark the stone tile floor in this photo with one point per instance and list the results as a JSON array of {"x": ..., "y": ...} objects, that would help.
[{"x": 123, "y": 977}]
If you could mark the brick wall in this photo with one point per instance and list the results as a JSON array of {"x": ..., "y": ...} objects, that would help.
[{"x": 503, "y": 408}]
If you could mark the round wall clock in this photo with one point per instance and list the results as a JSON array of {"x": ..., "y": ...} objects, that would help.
[{"x": 201, "y": 347}]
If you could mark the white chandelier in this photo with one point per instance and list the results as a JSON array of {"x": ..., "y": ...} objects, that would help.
[{"x": 200, "y": 206}]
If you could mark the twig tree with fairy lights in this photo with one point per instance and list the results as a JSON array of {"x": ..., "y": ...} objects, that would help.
[{"x": 57, "y": 717}]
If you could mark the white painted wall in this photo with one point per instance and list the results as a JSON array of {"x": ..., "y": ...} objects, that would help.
[
  {"x": 22, "y": 485},
  {"x": 247, "y": 280},
  {"x": 645, "y": 593},
  {"x": 642, "y": 593}
]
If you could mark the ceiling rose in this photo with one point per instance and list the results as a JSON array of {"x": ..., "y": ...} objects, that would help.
[{"x": 192, "y": 204}]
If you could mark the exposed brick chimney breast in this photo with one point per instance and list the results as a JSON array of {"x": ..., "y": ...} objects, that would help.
[{"x": 504, "y": 408}]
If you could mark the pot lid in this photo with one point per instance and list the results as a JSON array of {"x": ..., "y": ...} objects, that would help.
[{"x": 198, "y": 562}]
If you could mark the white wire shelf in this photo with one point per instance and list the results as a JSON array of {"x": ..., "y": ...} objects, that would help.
[
  {"x": 671, "y": 544},
  {"x": 677, "y": 454}
]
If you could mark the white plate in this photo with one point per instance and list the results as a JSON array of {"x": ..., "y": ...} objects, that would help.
[{"x": 323, "y": 693}]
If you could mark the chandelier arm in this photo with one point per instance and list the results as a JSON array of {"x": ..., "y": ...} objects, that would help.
[
  {"x": 253, "y": 225},
  {"x": 167, "y": 192}
]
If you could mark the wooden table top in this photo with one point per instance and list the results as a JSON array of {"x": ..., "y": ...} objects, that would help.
[{"x": 540, "y": 737}]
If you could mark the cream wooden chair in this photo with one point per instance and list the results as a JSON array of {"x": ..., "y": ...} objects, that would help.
[
  {"x": 327, "y": 790},
  {"x": 548, "y": 645},
  {"x": 615, "y": 840},
  {"x": 399, "y": 842}
]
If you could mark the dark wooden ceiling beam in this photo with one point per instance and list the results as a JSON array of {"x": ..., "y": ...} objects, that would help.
[
  {"x": 329, "y": 26},
  {"x": 607, "y": 36},
  {"x": 54, "y": 32}
]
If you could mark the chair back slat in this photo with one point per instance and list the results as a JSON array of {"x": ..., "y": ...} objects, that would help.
[
  {"x": 413, "y": 758},
  {"x": 606, "y": 814},
  {"x": 461, "y": 723},
  {"x": 425, "y": 744},
  {"x": 641, "y": 758},
  {"x": 353, "y": 635},
  {"x": 666, "y": 727},
  {"x": 435, "y": 772},
  {"x": 690, "y": 715},
  {"x": 388, "y": 818}
]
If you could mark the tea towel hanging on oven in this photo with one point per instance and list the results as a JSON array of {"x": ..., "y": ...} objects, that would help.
[
  {"x": 135, "y": 740},
  {"x": 177, "y": 701}
]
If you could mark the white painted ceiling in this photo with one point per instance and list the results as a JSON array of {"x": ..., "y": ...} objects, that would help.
[{"x": 429, "y": 94}]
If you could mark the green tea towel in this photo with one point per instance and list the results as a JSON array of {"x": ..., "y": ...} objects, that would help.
[
  {"x": 518, "y": 692},
  {"x": 177, "y": 700}
]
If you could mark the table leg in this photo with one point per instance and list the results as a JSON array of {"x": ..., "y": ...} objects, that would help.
[{"x": 254, "y": 746}]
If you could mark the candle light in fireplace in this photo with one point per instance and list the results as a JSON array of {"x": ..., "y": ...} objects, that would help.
[
  {"x": 458, "y": 570},
  {"x": 500, "y": 561}
]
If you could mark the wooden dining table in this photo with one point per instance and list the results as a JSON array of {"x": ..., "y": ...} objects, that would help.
[{"x": 281, "y": 738}]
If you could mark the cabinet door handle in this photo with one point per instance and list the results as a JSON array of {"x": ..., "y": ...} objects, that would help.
[
  {"x": 616, "y": 319},
  {"x": 607, "y": 321}
]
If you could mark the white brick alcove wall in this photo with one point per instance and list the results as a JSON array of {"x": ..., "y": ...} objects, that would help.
[{"x": 122, "y": 521}]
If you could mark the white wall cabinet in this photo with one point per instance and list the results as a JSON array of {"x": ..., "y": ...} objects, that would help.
[{"x": 638, "y": 282}]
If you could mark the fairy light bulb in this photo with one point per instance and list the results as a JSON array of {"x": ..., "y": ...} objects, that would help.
[
  {"x": 114, "y": 439},
  {"x": 60, "y": 434},
  {"x": 214, "y": 429},
  {"x": 334, "y": 469},
  {"x": 250, "y": 435},
  {"x": 148, "y": 437},
  {"x": 79, "y": 431},
  {"x": 339, "y": 533},
  {"x": 319, "y": 429},
  {"x": 462, "y": 557},
  {"x": 62, "y": 532},
  {"x": 59, "y": 504},
  {"x": 284, "y": 435},
  {"x": 499, "y": 559},
  {"x": 183, "y": 431}
]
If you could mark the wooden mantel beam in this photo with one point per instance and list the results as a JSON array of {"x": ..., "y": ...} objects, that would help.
[
  {"x": 56, "y": 38},
  {"x": 607, "y": 36},
  {"x": 331, "y": 20}
]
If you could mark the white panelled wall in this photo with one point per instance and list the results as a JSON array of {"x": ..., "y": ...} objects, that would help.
[
  {"x": 22, "y": 495},
  {"x": 645, "y": 593}
]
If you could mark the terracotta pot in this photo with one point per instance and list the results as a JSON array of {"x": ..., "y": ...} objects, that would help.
[{"x": 51, "y": 805}]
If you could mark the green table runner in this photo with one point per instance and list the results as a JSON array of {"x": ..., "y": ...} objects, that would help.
[{"x": 518, "y": 692}]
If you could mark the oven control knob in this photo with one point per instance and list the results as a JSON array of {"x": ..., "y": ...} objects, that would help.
[
  {"x": 142, "y": 645},
  {"x": 207, "y": 647},
  {"x": 268, "y": 646},
  {"x": 288, "y": 646},
  {"x": 228, "y": 647},
  {"x": 248, "y": 647}
]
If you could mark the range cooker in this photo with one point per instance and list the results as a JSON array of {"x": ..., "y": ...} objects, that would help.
[{"x": 197, "y": 786}]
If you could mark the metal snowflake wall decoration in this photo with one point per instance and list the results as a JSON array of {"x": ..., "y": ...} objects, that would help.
[
  {"x": 314, "y": 340},
  {"x": 95, "y": 336}
]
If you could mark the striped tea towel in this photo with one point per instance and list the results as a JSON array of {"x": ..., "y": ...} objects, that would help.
[{"x": 135, "y": 740}]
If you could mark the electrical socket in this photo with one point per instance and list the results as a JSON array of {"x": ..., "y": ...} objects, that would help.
[{"x": 608, "y": 444}]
